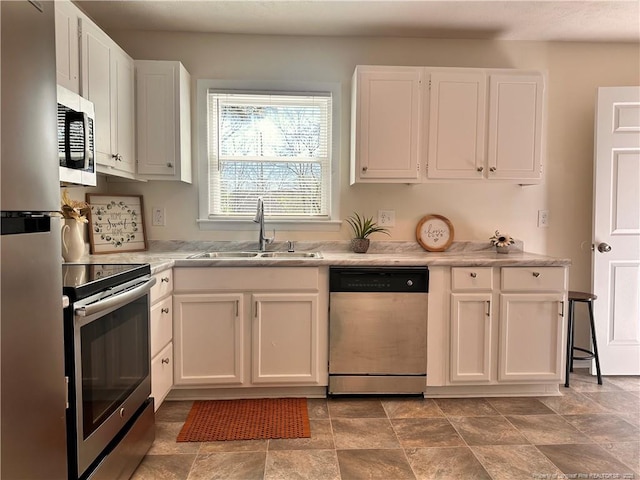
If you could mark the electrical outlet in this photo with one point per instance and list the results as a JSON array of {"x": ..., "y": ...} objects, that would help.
[
  {"x": 157, "y": 216},
  {"x": 543, "y": 218},
  {"x": 387, "y": 218}
]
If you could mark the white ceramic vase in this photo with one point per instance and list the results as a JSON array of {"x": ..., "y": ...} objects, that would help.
[{"x": 72, "y": 241}]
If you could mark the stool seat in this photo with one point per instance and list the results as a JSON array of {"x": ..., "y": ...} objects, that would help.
[
  {"x": 588, "y": 298},
  {"x": 581, "y": 296}
]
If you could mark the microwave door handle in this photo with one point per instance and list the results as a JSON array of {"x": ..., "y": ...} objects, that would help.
[
  {"x": 85, "y": 129},
  {"x": 116, "y": 300}
]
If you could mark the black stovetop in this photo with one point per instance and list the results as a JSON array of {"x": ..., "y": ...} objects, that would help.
[{"x": 82, "y": 280}]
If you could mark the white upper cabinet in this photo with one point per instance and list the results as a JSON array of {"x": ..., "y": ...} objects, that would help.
[
  {"x": 67, "y": 40},
  {"x": 163, "y": 120},
  {"x": 515, "y": 127},
  {"x": 108, "y": 81},
  {"x": 386, "y": 124},
  {"x": 457, "y": 125}
]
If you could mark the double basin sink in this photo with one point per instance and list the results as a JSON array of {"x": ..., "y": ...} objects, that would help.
[{"x": 256, "y": 255}]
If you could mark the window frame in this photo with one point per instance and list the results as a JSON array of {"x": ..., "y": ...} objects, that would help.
[{"x": 332, "y": 223}]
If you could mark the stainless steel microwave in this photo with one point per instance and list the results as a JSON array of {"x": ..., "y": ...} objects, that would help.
[{"x": 76, "y": 145}]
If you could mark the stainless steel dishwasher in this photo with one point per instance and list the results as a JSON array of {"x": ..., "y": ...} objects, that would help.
[{"x": 378, "y": 330}]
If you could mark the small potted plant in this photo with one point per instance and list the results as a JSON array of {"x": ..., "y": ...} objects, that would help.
[
  {"x": 501, "y": 241},
  {"x": 363, "y": 227}
]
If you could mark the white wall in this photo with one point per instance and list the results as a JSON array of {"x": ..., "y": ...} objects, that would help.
[{"x": 575, "y": 70}]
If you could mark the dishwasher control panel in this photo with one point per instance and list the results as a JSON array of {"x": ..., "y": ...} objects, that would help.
[{"x": 379, "y": 279}]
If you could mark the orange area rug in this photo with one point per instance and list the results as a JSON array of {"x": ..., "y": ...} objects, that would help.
[{"x": 253, "y": 419}]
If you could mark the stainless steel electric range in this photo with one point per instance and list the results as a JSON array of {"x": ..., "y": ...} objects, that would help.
[{"x": 110, "y": 420}]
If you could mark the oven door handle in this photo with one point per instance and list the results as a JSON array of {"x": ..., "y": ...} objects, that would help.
[{"x": 116, "y": 300}]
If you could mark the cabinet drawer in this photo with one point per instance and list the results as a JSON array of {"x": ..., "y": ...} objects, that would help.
[
  {"x": 162, "y": 374},
  {"x": 471, "y": 278},
  {"x": 163, "y": 286},
  {"x": 161, "y": 325},
  {"x": 533, "y": 278}
]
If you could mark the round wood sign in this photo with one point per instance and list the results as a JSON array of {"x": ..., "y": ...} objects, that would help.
[{"x": 434, "y": 233}]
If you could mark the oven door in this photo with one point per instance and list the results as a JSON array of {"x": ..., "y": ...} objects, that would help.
[{"x": 111, "y": 367}]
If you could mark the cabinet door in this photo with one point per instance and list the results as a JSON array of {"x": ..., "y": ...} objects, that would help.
[
  {"x": 96, "y": 79},
  {"x": 515, "y": 127},
  {"x": 532, "y": 337},
  {"x": 457, "y": 125},
  {"x": 387, "y": 124},
  {"x": 67, "y": 53},
  {"x": 123, "y": 111},
  {"x": 285, "y": 338},
  {"x": 471, "y": 331},
  {"x": 208, "y": 339},
  {"x": 161, "y": 375}
]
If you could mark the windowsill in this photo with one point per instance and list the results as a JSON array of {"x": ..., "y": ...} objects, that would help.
[{"x": 278, "y": 225}]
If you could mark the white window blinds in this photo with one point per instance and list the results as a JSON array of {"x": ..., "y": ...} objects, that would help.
[{"x": 274, "y": 146}]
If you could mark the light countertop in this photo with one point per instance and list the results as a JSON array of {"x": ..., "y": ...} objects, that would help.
[{"x": 165, "y": 255}]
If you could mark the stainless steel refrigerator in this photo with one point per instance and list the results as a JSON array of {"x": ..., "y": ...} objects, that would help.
[{"x": 32, "y": 395}]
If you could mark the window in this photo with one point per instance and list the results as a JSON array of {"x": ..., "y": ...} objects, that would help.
[{"x": 274, "y": 145}]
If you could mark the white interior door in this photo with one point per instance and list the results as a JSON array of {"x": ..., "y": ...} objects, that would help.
[{"x": 616, "y": 230}]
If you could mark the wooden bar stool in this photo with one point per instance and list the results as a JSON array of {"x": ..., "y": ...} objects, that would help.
[{"x": 588, "y": 299}]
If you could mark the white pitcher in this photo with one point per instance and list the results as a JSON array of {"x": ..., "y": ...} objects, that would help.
[{"x": 72, "y": 241}]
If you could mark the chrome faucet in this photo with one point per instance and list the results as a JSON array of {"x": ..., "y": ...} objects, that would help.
[{"x": 263, "y": 240}]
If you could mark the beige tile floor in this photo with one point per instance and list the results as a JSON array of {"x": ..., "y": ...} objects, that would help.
[{"x": 590, "y": 431}]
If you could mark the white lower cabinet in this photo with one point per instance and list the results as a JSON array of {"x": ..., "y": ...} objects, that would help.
[
  {"x": 209, "y": 339},
  {"x": 161, "y": 337},
  {"x": 248, "y": 327},
  {"x": 471, "y": 345},
  {"x": 503, "y": 329}
]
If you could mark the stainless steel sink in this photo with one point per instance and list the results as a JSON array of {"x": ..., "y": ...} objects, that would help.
[
  {"x": 256, "y": 255},
  {"x": 291, "y": 255},
  {"x": 230, "y": 255}
]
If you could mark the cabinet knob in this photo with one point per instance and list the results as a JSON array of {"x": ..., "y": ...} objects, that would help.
[
  {"x": 364, "y": 169},
  {"x": 169, "y": 164},
  {"x": 117, "y": 157},
  {"x": 165, "y": 361},
  {"x": 473, "y": 274},
  {"x": 164, "y": 310},
  {"x": 480, "y": 169},
  {"x": 165, "y": 279},
  {"x": 492, "y": 169},
  {"x": 536, "y": 274}
]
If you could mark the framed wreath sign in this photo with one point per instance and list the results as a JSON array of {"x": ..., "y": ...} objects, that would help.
[{"x": 116, "y": 223}]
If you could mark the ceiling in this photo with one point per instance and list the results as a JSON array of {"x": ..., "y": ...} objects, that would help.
[{"x": 572, "y": 20}]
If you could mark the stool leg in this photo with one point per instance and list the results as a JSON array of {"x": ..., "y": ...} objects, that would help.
[
  {"x": 595, "y": 343},
  {"x": 569, "y": 363},
  {"x": 572, "y": 314}
]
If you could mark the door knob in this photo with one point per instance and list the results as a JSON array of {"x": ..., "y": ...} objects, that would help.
[{"x": 604, "y": 247}]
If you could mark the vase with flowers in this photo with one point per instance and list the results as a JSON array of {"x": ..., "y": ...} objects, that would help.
[
  {"x": 363, "y": 227},
  {"x": 501, "y": 241},
  {"x": 74, "y": 213}
]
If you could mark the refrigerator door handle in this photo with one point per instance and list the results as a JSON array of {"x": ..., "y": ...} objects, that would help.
[{"x": 115, "y": 301}]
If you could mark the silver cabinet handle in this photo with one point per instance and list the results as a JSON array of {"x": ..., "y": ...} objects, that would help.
[
  {"x": 164, "y": 310},
  {"x": 473, "y": 274},
  {"x": 604, "y": 247},
  {"x": 562, "y": 309},
  {"x": 536, "y": 274},
  {"x": 165, "y": 279},
  {"x": 165, "y": 361},
  {"x": 488, "y": 308}
]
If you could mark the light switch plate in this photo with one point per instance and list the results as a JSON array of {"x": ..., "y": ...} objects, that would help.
[{"x": 157, "y": 216}]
